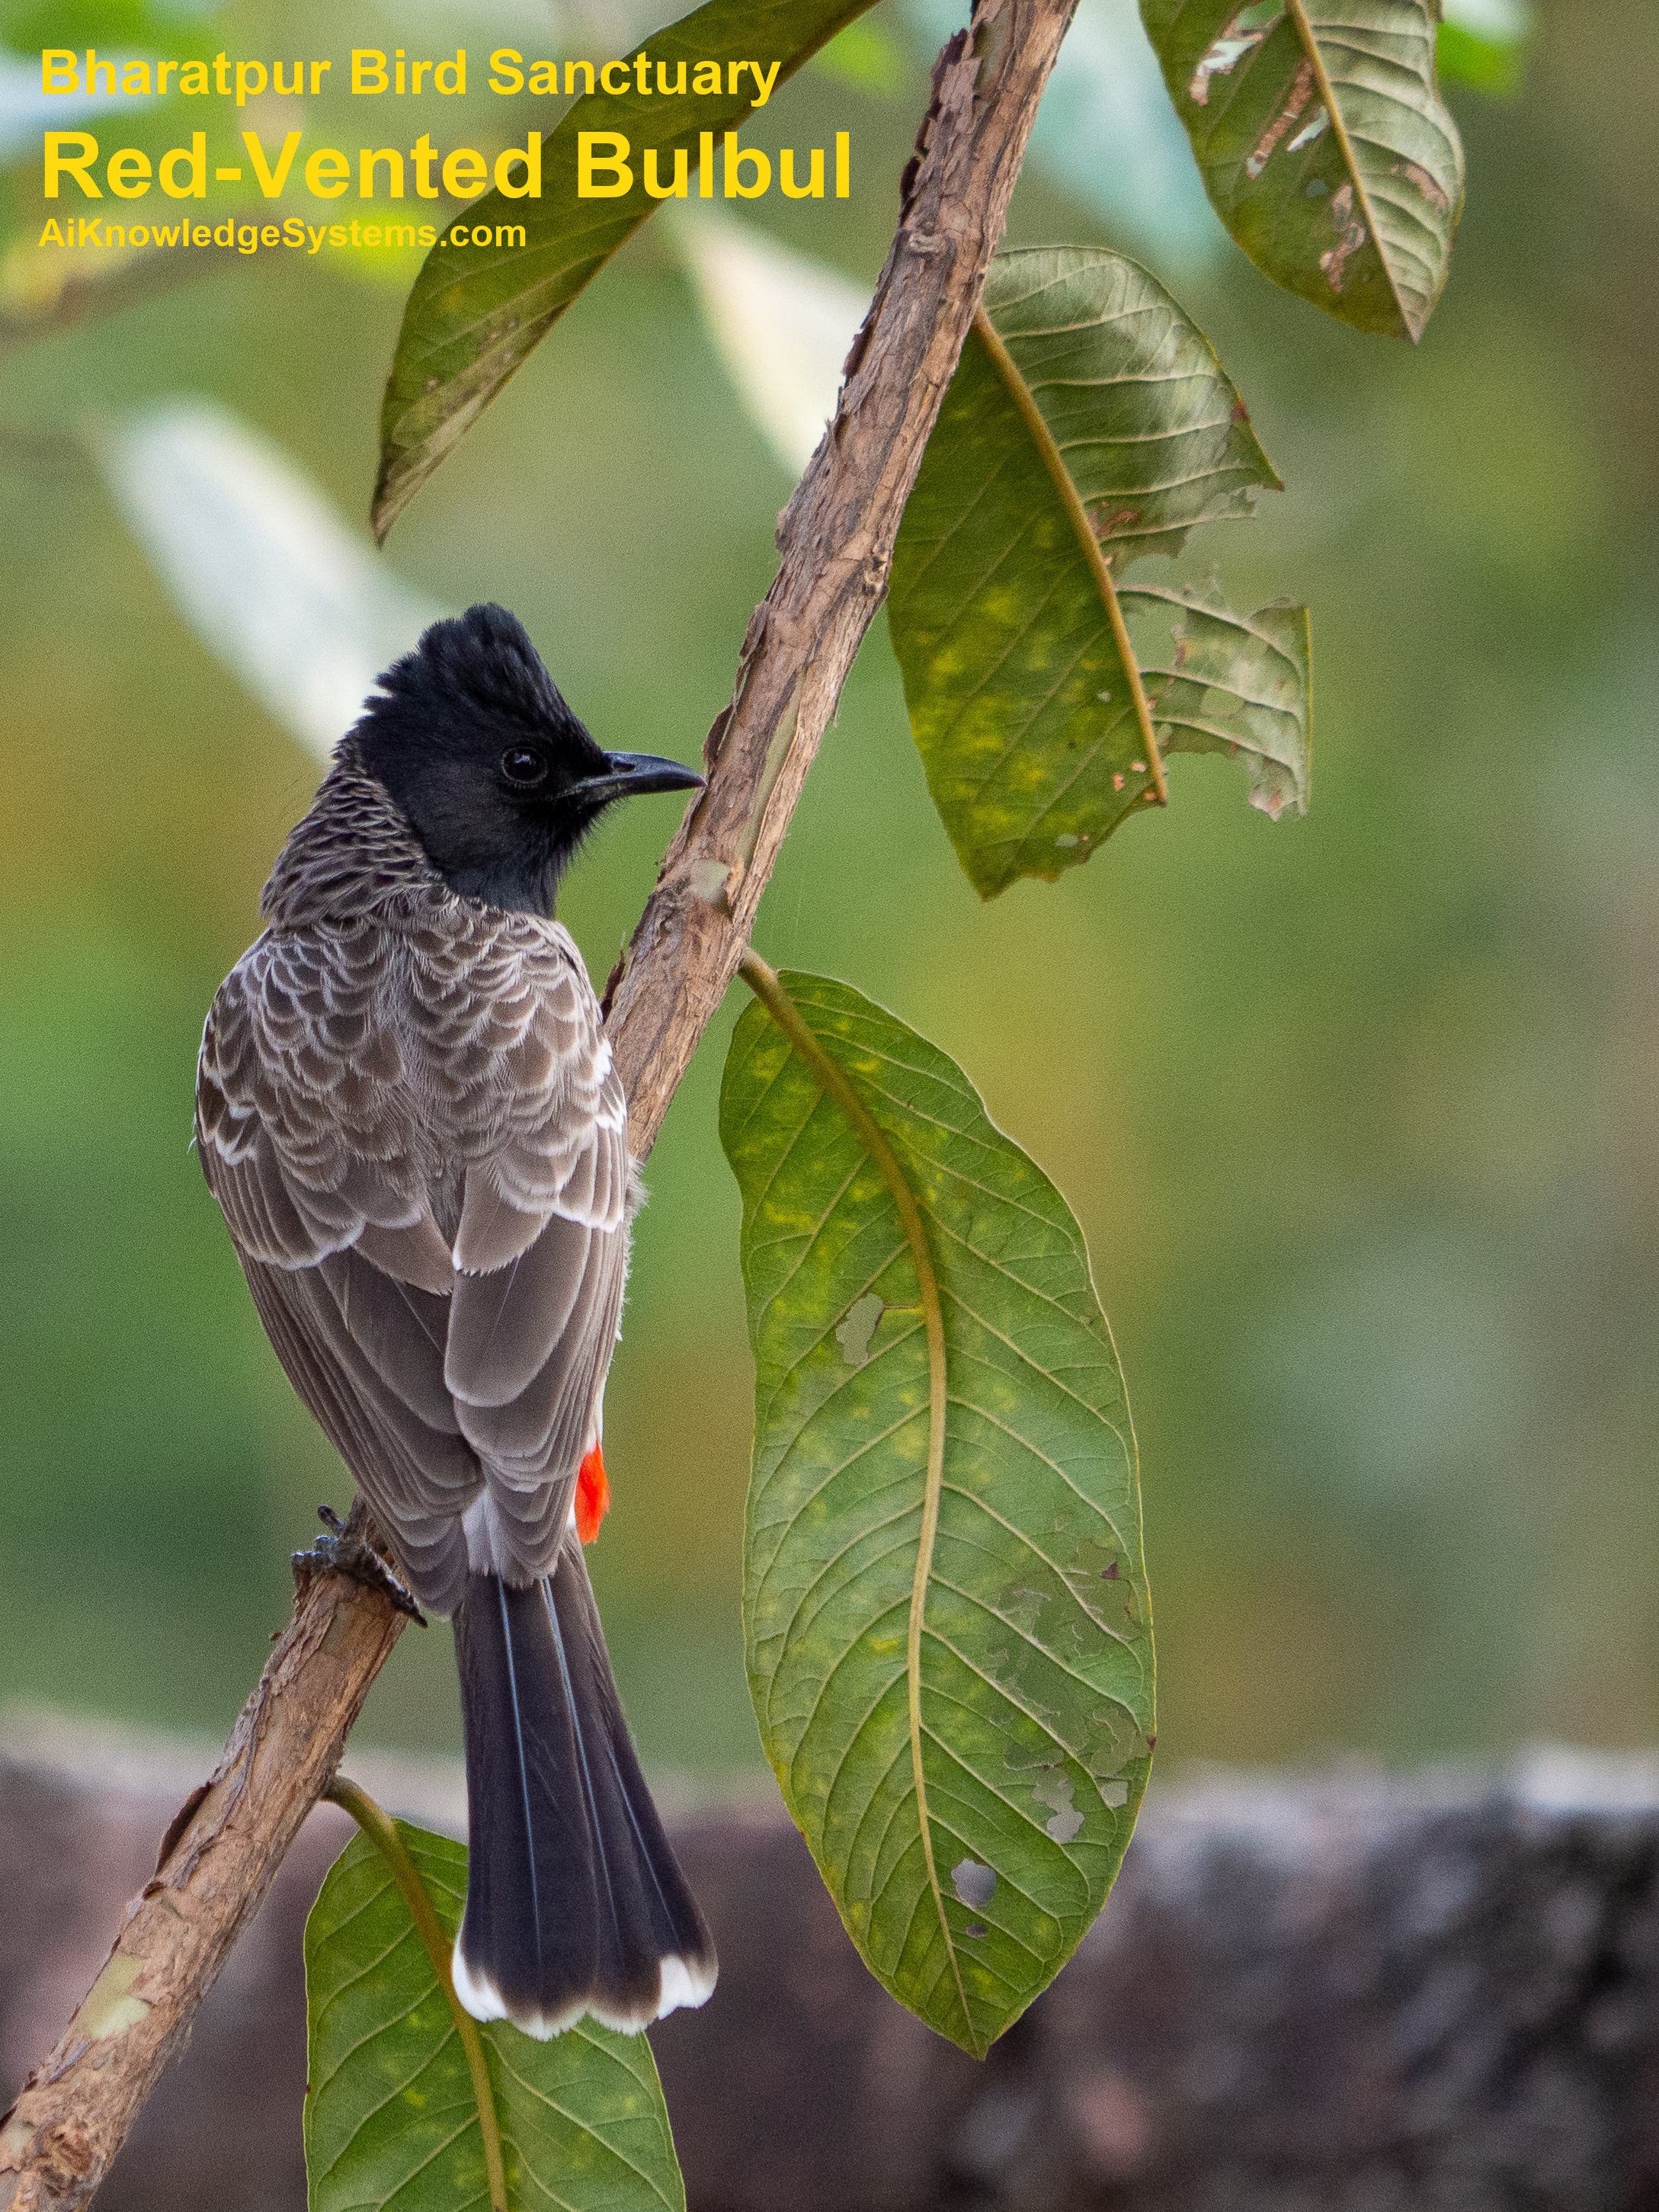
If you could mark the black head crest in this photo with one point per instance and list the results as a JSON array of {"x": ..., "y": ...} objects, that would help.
[
  {"x": 496, "y": 776},
  {"x": 468, "y": 679}
]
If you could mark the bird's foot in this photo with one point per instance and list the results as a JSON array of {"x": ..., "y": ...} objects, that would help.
[{"x": 339, "y": 1551}]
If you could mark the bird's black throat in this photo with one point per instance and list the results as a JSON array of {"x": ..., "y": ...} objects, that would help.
[
  {"x": 497, "y": 780},
  {"x": 522, "y": 878}
]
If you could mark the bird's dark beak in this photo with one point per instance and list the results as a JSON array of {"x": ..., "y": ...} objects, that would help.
[{"x": 637, "y": 772}]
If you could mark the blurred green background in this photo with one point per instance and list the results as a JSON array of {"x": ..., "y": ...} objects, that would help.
[{"x": 1357, "y": 1111}]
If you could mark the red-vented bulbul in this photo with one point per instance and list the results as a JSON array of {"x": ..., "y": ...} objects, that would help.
[{"x": 407, "y": 1110}]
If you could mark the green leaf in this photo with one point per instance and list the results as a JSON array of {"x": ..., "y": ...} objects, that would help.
[
  {"x": 1089, "y": 424},
  {"x": 473, "y": 318},
  {"x": 1236, "y": 685},
  {"x": 390, "y": 2116},
  {"x": 1324, "y": 145},
  {"x": 1483, "y": 43},
  {"x": 946, "y": 1611},
  {"x": 868, "y": 58}
]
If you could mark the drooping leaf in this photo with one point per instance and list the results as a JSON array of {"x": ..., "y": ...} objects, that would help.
[
  {"x": 1236, "y": 685},
  {"x": 782, "y": 324},
  {"x": 390, "y": 2116},
  {"x": 473, "y": 316},
  {"x": 294, "y": 602},
  {"x": 1089, "y": 424},
  {"x": 945, "y": 1613},
  {"x": 1324, "y": 145},
  {"x": 1483, "y": 43}
]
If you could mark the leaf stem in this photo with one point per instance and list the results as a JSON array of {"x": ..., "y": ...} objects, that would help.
[
  {"x": 382, "y": 1832},
  {"x": 768, "y": 986},
  {"x": 1049, "y": 453}
]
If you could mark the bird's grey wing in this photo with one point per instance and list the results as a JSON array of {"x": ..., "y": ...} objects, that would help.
[
  {"x": 303, "y": 1137},
  {"x": 541, "y": 1255}
]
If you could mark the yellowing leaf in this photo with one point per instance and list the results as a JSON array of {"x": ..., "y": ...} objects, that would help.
[
  {"x": 391, "y": 2116},
  {"x": 946, "y": 1611},
  {"x": 1089, "y": 425}
]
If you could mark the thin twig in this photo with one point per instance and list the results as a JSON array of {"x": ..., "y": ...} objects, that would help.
[{"x": 836, "y": 544}]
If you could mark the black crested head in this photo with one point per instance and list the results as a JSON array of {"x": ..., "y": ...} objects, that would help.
[{"x": 496, "y": 775}]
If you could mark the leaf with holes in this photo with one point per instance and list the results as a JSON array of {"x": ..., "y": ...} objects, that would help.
[
  {"x": 390, "y": 2114},
  {"x": 1324, "y": 145},
  {"x": 1089, "y": 424},
  {"x": 474, "y": 316},
  {"x": 1235, "y": 684},
  {"x": 946, "y": 1611}
]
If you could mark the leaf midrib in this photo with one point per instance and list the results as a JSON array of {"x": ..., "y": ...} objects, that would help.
[
  {"x": 383, "y": 1836},
  {"x": 1305, "y": 32},
  {"x": 769, "y": 988},
  {"x": 1066, "y": 491}
]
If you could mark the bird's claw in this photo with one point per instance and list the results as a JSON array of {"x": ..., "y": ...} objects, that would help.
[{"x": 338, "y": 1551}]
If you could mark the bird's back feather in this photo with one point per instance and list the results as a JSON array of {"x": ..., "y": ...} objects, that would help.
[{"x": 406, "y": 1109}]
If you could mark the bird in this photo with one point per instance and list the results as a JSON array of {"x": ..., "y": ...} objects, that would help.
[{"x": 407, "y": 1110}]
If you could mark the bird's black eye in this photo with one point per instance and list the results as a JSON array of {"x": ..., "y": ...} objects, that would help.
[{"x": 524, "y": 767}]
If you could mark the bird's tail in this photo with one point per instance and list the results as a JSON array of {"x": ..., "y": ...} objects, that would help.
[{"x": 574, "y": 1903}]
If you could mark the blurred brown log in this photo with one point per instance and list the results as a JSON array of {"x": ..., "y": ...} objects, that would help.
[{"x": 1438, "y": 1994}]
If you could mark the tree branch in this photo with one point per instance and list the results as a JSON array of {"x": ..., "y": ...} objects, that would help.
[
  {"x": 836, "y": 544},
  {"x": 214, "y": 1867}
]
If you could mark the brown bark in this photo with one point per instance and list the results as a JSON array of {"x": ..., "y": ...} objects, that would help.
[
  {"x": 215, "y": 1866},
  {"x": 835, "y": 543}
]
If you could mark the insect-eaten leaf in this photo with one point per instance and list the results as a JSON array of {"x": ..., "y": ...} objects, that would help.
[
  {"x": 1324, "y": 145},
  {"x": 1089, "y": 424},
  {"x": 945, "y": 1610},
  {"x": 1237, "y": 685},
  {"x": 391, "y": 2116},
  {"x": 473, "y": 317}
]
